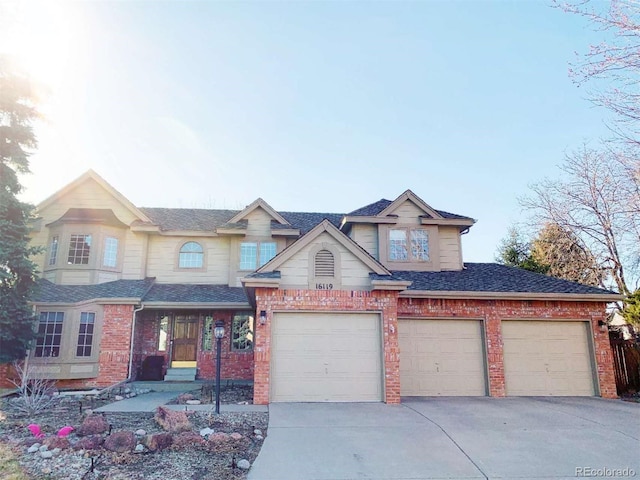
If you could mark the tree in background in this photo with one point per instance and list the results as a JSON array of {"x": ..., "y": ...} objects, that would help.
[
  {"x": 515, "y": 251},
  {"x": 616, "y": 60},
  {"x": 631, "y": 311},
  {"x": 17, "y": 271},
  {"x": 594, "y": 203},
  {"x": 565, "y": 256}
]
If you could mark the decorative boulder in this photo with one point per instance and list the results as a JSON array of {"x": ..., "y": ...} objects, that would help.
[
  {"x": 158, "y": 441},
  {"x": 120, "y": 442},
  {"x": 187, "y": 440},
  {"x": 92, "y": 442},
  {"x": 93, "y": 425},
  {"x": 173, "y": 422},
  {"x": 56, "y": 442},
  {"x": 184, "y": 398}
]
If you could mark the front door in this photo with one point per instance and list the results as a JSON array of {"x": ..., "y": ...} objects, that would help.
[{"x": 185, "y": 338}]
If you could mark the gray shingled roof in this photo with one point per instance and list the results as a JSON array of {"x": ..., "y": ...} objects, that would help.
[
  {"x": 47, "y": 292},
  {"x": 375, "y": 208},
  {"x": 491, "y": 277},
  {"x": 202, "y": 220},
  {"x": 178, "y": 292}
]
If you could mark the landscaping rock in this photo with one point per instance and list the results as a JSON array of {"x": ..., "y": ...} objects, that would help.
[
  {"x": 43, "y": 448},
  {"x": 158, "y": 441},
  {"x": 139, "y": 448},
  {"x": 56, "y": 451},
  {"x": 117, "y": 398},
  {"x": 140, "y": 432},
  {"x": 236, "y": 436},
  {"x": 206, "y": 431},
  {"x": 34, "y": 448},
  {"x": 193, "y": 402},
  {"x": 259, "y": 437},
  {"x": 57, "y": 442},
  {"x": 184, "y": 398},
  {"x": 46, "y": 454},
  {"x": 173, "y": 422},
  {"x": 92, "y": 442},
  {"x": 92, "y": 425},
  {"x": 244, "y": 464},
  {"x": 257, "y": 431},
  {"x": 120, "y": 442},
  {"x": 187, "y": 440}
]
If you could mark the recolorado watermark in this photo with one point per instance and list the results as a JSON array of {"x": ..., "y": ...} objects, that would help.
[{"x": 605, "y": 472}]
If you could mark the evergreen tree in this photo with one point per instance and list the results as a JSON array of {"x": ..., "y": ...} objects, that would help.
[{"x": 17, "y": 271}]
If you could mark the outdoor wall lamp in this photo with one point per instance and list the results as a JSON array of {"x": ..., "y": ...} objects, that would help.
[
  {"x": 263, "y": 317},
  {"x": 603, "y": 326},
  {"x": 218, "y": 332}
]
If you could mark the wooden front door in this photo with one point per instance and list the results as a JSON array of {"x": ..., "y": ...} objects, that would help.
[{"x": 185, "y": 338}]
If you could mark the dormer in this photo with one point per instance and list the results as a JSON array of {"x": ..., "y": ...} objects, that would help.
[
  {"x": 258, "y": 233},
  {"x": 408, "y": 234}
]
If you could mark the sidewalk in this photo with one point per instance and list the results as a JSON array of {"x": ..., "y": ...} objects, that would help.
[{"x": 148, "y": 402}]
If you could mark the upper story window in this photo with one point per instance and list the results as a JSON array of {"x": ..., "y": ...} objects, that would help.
[
  {"x": 110, "y": 257},
  {"x": 408, "y": 244},
  {"x": 79, "y": 250},
  {"x": 324, "y": 264},
  {"x": 53, "y": 250},
  {"x": 242, "y": 332},
  {"x": 256, "y": 254},
  {"x": 191, "y": 255},
  {"x": 85, "y": 334},
  {"x": 49, "y": 334}
]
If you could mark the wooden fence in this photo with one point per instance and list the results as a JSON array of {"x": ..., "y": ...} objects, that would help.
[{"x": 626, "y": 356}]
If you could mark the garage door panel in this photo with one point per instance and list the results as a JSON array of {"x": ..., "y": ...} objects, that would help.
[
  {"x": 547, "y": 358},
  {"x": 441, "y": 357},
  {"x": 320, "y": 357}
]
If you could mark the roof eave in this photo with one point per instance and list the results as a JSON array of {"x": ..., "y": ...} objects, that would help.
[
  {"x": 101, "y": 301},
  {"x": 197, "y": 305},
  {"x": 398, "y": 285},
  {"x": 455, "y": 222},
  {"x": 250, "y": 282},
  {"x": 470, "y": 295}
]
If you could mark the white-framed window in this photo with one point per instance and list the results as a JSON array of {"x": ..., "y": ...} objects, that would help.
[
  {"x": 49, "y": 334},
  {"x": 53, "y": 250},
  {"x": 191, "y": 255},
  {"x": 242, "y": 332},
  {"x": 85, "y": 334},
  {"x": 256, "y": 254},
  {"x": 408, "y": 244},
  {"x": 110, "y": 255},
  {"x": 79, "y": 249}
]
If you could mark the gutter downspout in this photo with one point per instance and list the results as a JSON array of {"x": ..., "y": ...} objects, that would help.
[{"x": 133, "y": 330}]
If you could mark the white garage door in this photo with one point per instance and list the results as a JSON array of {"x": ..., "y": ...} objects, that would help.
[
  {"x": 441, "y": 357},
  {"x": 326, "y": 357},
  {"x": 547, "y": 358}
]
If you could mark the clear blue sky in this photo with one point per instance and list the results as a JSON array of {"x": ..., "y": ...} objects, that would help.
[{"x": 313, "y": 106}]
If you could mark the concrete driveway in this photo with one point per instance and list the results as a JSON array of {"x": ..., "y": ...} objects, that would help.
[{"x": 512, "y": 438}]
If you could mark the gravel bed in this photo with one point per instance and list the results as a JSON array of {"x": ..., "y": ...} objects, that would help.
[{"x": 204, "y": 459}]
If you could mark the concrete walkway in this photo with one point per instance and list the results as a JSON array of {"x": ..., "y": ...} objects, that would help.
[
  {"x": 461, "y": 438},
  {"x": 148, "y": 402}
]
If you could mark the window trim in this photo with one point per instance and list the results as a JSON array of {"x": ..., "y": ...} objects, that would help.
[
  {"x": 42, "y": 337},
  {"x": 54, "y": 248},
  {"x": 89, "y": 255},
  {"x": 433, "y": 264},
  {"x": 105, "y": 250},
  {"x": 259, "y": 251},
  {"x": 202, "y": 253},
  {"x": 408, "y": 244}
]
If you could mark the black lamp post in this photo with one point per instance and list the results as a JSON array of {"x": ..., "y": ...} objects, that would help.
[{"x": 218, "y": 332}]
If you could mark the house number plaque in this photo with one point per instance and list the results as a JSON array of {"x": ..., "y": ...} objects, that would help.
[{"x": 324, "y": 286}]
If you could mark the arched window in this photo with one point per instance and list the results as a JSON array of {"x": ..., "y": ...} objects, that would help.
[
  {"x": 191, "y": 255},
  {"x": 324, "y": 264}
]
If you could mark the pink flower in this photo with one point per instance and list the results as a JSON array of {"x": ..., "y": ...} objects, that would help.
[
  {"x": 35, "y": 430},
  {"x": 64, "y": 431}
]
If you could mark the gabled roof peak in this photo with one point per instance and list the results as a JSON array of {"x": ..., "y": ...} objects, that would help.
[{"x": 258, "y": 203}]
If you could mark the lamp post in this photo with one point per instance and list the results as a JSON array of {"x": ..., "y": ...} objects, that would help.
[{"x": 218, "y": 332}]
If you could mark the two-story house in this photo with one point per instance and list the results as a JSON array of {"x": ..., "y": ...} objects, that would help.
[{"x": 370, "y": 305}]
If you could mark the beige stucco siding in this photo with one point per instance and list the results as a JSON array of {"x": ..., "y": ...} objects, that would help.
[
  {"x": 450, "y": 254},
  {"x": 259, "y": 223},
  {"x": 367, "y": 237},
  {"x": 354, "y": 274},
  {"x": 163, "y": 260},
  {"x": 408, "y": 213}
]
